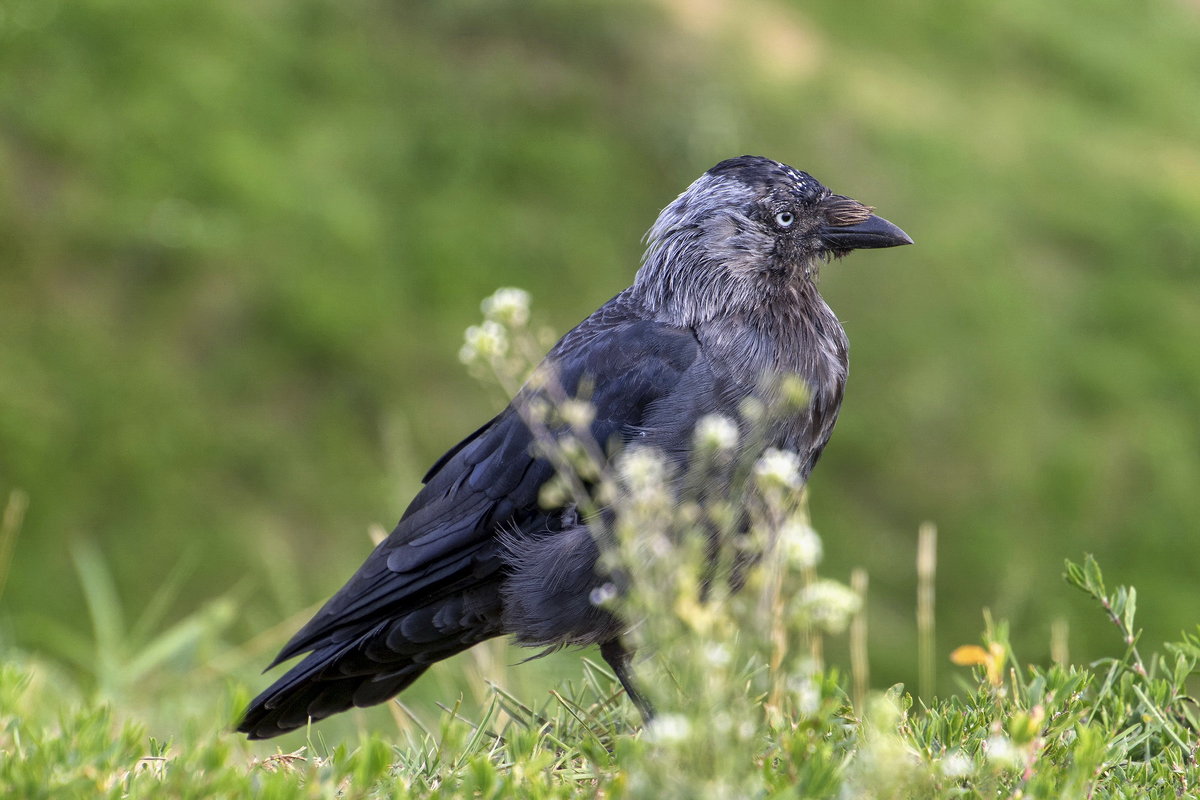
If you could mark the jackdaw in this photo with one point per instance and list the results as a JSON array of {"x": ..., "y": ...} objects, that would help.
[{"x": 727, "y": 291}]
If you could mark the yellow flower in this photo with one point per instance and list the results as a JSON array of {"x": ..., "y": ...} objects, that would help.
[{"x": 970, "y": 655}]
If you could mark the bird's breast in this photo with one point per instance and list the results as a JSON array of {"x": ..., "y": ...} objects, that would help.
[
  {"x": 748, "y": 355},
  {"x": 808, "y": 342}
]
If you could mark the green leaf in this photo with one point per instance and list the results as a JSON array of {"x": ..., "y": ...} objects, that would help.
[
  {"x": 1095, "y": 580},
  {"x": 1129, "y": 607},
  {"x": 104, "y": 607}
]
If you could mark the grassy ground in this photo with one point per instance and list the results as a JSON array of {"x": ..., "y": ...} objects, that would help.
[
  {"x": 1123, "y": 727},
  {"x": 238, "y": 244}
]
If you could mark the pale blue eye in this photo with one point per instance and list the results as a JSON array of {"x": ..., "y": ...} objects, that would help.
[{"x": 784, "y": 219}]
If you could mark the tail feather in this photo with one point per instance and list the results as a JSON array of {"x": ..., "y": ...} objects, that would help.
[
  {"x": 373, "y": 666},
  {"x": 316, "y": 688}
]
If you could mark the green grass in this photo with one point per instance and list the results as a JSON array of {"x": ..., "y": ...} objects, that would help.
[
  {"x": 238, "y": 244},
  {"x": 1123, "y": 727}
]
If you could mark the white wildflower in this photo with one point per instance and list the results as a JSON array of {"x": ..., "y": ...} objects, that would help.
[
  {"x": 483, "y": 342},
  {"x": 554, "y": 493},
  {"x": 507, "y": 306},
  {"x": 577, "y": 413},
  {"x": 1001, "y": 750},
  {"x": 537, "y": 409},
  {"x": 658, "y": 545},
  {"x": 808, "y": 696},
  {"x": 956, "y": 765},
  {"x": 778, "y": 468},
  {"x": 669, "y": 729},
  {"x": 716, "y": 654},
  {"x": 716, "y": 432},
  {"x": 828, "y": 605},
  {"x": 643, "y": 471},
  {"x": 800, "y": 543}
]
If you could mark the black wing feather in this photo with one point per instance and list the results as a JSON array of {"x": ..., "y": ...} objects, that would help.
[
  {"x": 434, "y": 587},
  {"x": 447, "y": 541}
]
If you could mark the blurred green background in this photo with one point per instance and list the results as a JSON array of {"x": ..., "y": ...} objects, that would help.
[{"x": 239, "y": 242}]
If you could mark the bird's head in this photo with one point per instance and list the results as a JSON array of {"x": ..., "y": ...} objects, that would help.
[{"x": 746, "y": 232}]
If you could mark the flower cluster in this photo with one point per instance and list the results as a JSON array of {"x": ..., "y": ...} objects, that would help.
[
  {"x": 827, "y": 605},
  {"x": 483, "y": 343},
  {"x": 716, "y": 432},
  {"x": 505, "y": 315},
  {"x": 778, "y": 469},
  {"x": 643, "y": 472},
  {"x": 508, "y": 307},
  {"x": 799, "y": 543}
]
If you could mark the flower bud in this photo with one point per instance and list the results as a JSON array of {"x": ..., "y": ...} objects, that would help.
[{"x": 507, "y": 306}]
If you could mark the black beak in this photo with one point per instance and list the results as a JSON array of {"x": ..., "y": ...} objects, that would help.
[{"x": 872, "y": 232}]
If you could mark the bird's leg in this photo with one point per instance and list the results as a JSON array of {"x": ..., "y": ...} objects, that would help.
[{"x": 617, "y": 657}]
